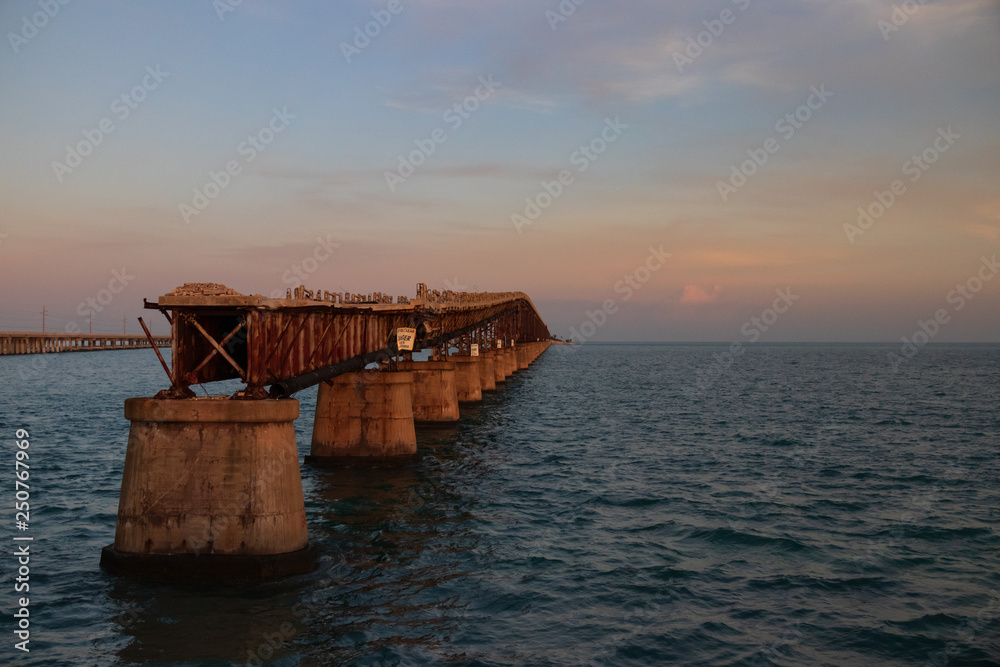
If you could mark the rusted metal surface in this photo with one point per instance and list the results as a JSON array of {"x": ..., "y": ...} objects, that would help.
[{"x": 219, "y": 334}]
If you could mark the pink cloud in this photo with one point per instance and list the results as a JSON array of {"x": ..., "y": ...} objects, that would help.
[{"x": 694, "y": 294}]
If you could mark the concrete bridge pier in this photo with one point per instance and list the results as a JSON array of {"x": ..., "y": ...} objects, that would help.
[
  {"x": 487, "y": 381},
  {"x": 433, "y": 391},
  {"x": 522, "y": 356},
  {"x": 467, "y": 382},
  {"x": 498, "y": 366},
  {"x": 211, "y": 491},
  {"x": 509, "y": 361},
  {"x": 537, "y": 348},
  {"x": 364, "y": 417}
]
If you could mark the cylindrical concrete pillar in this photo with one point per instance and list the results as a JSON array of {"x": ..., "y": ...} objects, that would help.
[
  {"x": 486, "y": 380},
  {"x": 522, "y": 356},
  {"x": 211, "y": 491},
  {"x": 364, "y": 417},
  {"x": 498, "y": 366},
  {"x": 433, "y": 391},
  {"x": 467, "y": 383},
  {"x": 510, "y": 361}
]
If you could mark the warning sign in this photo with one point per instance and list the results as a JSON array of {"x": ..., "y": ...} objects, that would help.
[
  {"x": 474, "y": 349},
  {"x": 404, "y": 338}
]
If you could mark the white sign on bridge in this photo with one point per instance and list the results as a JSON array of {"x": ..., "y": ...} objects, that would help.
[{"x": 404, "y": 338}]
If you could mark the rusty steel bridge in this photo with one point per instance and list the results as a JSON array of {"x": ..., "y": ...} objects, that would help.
[
  {"x": 211, "y": 486},
  {"x": 311, "y": 336}
]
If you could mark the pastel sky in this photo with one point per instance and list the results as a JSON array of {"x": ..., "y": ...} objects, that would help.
[{"x": 672, "y": 102}]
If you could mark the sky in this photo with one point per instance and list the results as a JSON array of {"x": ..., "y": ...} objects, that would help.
[{"x": 719, "y": 171}]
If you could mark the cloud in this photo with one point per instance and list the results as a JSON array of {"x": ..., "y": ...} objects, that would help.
[{"x": 695, "y": 294}]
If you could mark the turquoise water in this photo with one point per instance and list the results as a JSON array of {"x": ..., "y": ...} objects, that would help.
[{"x": 613, "y": 504}]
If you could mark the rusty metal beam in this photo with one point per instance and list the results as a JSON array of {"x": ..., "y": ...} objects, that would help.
[
  {"x": 211, "y": 355},
  {"x": 225, "y": 355},
  {"x": 159, "y": 356}
]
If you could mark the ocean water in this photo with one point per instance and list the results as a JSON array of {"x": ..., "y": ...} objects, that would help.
[{"x": 611, "y": 505}]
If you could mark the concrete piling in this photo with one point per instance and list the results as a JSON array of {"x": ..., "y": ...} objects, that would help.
[
  {"x": 433, "y": 391},
  {"x": 467, "y": 382},
  {"x": 364, "y": 417},
  {"x": 522, "y": 356},
  {"x": 487, "y": 380},
  {"x": 498, "y": 366},
  {"x": 211, "y": 491}
]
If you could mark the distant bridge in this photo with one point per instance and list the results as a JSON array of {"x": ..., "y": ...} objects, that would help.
[{"x": 18, "y": 342}]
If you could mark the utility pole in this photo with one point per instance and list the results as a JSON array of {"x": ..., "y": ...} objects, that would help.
[
  {"x": 123, "y": 325},
  {"x": 91, "y": 321},
  {"x": 43, "y": 319}
]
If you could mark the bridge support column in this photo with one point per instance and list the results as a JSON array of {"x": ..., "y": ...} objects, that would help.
[
  {"x": 434, "y": 393},
  {"x": 211, "y": 491},
  {"x": 498, "y": 366},
  {"x": 522, "y": 356},
  {"x": 487, "y": 382},
  {"x": 467, "y": 382},
  {"x": 364, "y": 418},
  {"x": 509, "y": 361}
]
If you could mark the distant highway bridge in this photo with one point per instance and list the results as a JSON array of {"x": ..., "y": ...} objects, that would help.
[{"x": 19, "y": 342}]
